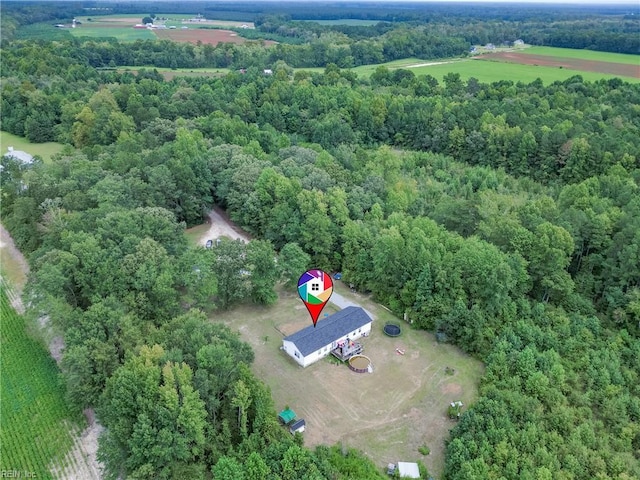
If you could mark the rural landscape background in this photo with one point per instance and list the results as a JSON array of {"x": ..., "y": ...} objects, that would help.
[{"x": 471, "y": 169}]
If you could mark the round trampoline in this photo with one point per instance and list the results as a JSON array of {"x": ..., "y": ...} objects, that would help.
[
  {"x": 359, "y": 363},
  {"x": 392, "y": 330}
]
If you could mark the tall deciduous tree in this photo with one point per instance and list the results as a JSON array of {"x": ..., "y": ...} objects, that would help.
[{"x": 155, "y": 419}]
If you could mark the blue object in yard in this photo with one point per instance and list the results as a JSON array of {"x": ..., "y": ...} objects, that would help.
[{"x": 337, "y": 276}]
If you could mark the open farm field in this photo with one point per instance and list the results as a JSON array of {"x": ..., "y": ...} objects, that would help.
[
  {"x": 388, "y": 414},
  {"x": 493, "y": 71},
  {"x": 219, "y": 23},
  {"x": 122, "y": 33},
  {"x": 130, "y": 18},
  {"x": 525, "y": 65},
  {"x": 36, "y": 429},
  {"x": 169, "y": 19},
  {"x": 583, "y": 54},
  {"x": 170, "y": 74},
  {"x": 45, "y": 150},
  {"x": 43, "y": 31},
  {"x": 574, "y": 64},
  {"x": 346, "y": 21},
  {"x": 204, "y": 35}
]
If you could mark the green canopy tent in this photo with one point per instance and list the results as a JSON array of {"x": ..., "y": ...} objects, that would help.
[{"x": 287, "y": 416}]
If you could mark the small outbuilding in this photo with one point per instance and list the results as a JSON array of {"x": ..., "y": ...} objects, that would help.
[
  {"x": 298, "y": 426},
  {"x": 408, "y": 470}
]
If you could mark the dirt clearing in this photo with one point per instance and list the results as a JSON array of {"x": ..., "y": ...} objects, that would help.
[
  {"x": 621, "y": 69},
  {"x": 219, "y": 225},
  {"x": 205, "y": 36}
]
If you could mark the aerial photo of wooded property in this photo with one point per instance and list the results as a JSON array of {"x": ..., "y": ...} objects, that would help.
[{"x": 321, "y": 240}]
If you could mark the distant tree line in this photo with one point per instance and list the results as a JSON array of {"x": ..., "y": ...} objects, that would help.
[{"x": 504, "y": 216}]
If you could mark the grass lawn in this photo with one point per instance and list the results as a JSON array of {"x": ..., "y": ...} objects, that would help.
[
  {"x": 490, "y": 71},
  {"x": 388, "y": 414},
  {"x": 36, "y": 423},
  {"x": 583, "y": 55},
  {"x": 45, "y": 150},
  {"x": 195, "y": 233}
]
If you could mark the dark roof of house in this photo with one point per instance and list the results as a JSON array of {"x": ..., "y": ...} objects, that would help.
[{"x": 326, "y": 331}]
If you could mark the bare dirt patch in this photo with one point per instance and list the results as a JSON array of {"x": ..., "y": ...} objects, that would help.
[
  {"x": 205, "y": 36},
  {"x": 221, "y": 226},
  {"x": 14, "y": 267},
  {"x": 569, "y": 63},
  {"x": 81, "y": 462}
]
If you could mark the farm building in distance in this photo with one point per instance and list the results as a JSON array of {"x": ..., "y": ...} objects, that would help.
[{"x": 313, "y": 343}]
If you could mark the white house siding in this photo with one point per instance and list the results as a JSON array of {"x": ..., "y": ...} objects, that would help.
[{"x": 303, "y": 361}]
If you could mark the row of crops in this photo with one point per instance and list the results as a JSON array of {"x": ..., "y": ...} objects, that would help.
[{"x": 34, "y": 418}]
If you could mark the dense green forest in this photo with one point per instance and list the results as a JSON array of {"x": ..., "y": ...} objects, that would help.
[{"x": 505, "y": 216}]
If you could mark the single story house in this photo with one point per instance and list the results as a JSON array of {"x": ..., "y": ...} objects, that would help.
[
  {"x": 313, "y": 343},
  {"x": 19, "y": 155}
]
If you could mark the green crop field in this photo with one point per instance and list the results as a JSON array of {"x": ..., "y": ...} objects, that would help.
[
  {"x": 583, "y": 55},
  {"x": 35, "y": 433},
  {"x": 45, "y": 150},
  {"x": 487, "y": 71},
  {"x": 123, "y": 34},
  {"x": 43, "y": 31}
]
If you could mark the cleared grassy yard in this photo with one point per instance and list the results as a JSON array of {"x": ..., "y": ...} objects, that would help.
[
  {"x": 45, "y": 150},
  {"x": 388, "y": 414}
]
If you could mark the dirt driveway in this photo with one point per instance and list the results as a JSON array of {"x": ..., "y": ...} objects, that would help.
[{"x": 221, "y": 226}]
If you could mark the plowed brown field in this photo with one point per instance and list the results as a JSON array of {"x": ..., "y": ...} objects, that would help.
[
  {"x": 210, "y": 36},
  {"x": 569, "y": 63}
]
